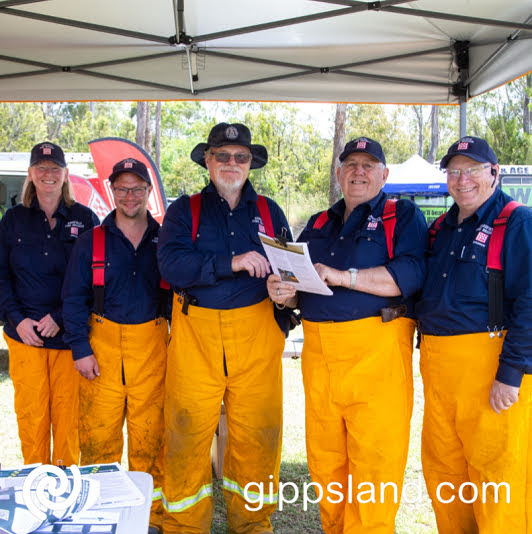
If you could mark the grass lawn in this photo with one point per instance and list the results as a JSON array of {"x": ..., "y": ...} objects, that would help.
[{"x": 413, "y": 518}]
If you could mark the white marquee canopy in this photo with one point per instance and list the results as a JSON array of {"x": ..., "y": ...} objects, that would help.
[{"x": 398, "y": 51}]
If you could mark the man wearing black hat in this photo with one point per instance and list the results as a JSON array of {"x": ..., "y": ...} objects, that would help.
[
  {"x": 117, "y": 332},
  {"x": 225, "y": 342},
  {"x": 357, "y": 351},
  {"x": 476, "y": 352}
]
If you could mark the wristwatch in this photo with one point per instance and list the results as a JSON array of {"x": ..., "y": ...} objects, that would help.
[{"x": 354, "y": 273}]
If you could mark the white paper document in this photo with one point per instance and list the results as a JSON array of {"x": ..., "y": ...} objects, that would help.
[
  {"x": 117, "y": 489},
  {"x": 293, "y": 264}
]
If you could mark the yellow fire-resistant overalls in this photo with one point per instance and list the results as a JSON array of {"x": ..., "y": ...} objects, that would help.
[
  {"x": 132, "y": 361},
  {"x": 358, "y": 401},
  {"x": 466, "y": 443},
  {"x": 46, "y": 392},
  {"x": 234, "y": 356}
]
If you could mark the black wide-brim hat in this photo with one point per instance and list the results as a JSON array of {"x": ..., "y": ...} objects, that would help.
[{"x": 230, "y": 134}]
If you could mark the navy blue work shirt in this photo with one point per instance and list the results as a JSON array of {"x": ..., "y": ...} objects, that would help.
[
  {"x": 361, "y": 243},
  {"x": 131, "y": 293},
  {"x": 33, "y": 261},
  {"x": 455, "y": 295},
  {"x": 203, "y": 267}
]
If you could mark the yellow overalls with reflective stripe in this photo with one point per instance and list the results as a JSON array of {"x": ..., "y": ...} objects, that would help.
[
  {"x": 46, "y": 387},
  {"x": 132, "y": 361},
  {"x": 465, "y": 442},
  {"x": 358, "y": 401},
  {"x": 232, "y": 356}
]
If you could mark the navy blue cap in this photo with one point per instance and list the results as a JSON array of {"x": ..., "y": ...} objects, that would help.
[
  {"x": 47, "y": 152},
  {"x": 364, "y": 144},
  {"x": 230, "y": 134},
  {"x": 472, "y": 147},
  {"x": 130, "y": 165}
]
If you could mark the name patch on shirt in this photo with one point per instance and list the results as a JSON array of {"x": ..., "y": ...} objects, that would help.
[
  {"x": 74, "y": 227},
  {"x": 373, "y": 222},
  {"x": 258, "y": 220},
  {"x": 483, "y": 233}
]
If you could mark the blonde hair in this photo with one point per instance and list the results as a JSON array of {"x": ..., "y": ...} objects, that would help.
[{"x": 29, "y": 193}]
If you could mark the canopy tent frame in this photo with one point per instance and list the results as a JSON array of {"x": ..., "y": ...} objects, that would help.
[{"x": 192, "y": 48}]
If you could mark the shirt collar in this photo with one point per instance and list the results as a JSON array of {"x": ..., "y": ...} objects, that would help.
[
  {"x": 338, "y": 209},
  {"x": 110, "y": 221},
  {"x": 452, "y": 216},
  {"x": 61, "y": 209},
  {"x": 248, "y": 193}
]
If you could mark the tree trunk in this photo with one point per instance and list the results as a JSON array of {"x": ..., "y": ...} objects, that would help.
[
  {"x": 527, "y": 112},
  {"x": 339, "y": 141},
  {"x": 418, "y": 110},
  {"x": 142, "y": 136},
  {"x": 434, "y": 133},
  {"x": 158, "y": 135}
]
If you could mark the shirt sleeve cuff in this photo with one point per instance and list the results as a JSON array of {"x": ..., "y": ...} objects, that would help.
[
  {"x": 15, "y": 318},
  {"x": 223, "y": 266},
  {"x": 396, "y": 279},
  {"x": 509, "y": 375},
  {"x": 81, "y": 350}
]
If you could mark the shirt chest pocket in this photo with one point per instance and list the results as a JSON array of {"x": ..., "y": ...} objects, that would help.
[
  {"x": 471, "y": 277},
  {"x": 370, "y": 248},
  {"x": 26, "y": 252}
]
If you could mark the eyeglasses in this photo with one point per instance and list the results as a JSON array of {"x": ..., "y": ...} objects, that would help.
[
  {"x": 366, "y": 166},
  {"x": 474, "y": 172},
  {"x": 121, "y": 192},
  {"x": 224, "y": 157},
  {"x": 55, "y": 171}
]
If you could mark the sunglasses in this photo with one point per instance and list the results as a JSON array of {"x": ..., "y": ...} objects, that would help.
[{"x": 224, "y": 157}]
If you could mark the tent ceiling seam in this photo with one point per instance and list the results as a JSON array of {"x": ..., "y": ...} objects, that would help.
[{"x": 360, "y": 7}]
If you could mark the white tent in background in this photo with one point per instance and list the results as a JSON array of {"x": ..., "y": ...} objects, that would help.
[{"x": 416, "y": 177}]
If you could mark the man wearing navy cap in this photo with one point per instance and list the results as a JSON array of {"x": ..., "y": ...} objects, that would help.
[
  {"x": 118, "y": 332},
  {"x": 475, "y": 316},
  {"x": 225, "y": 342},
  {"x": 357, "y": 352}
]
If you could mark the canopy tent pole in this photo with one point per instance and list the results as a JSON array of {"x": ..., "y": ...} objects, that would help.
[{"x": 463, "y": 119}]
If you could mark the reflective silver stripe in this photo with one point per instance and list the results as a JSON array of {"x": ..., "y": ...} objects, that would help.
[
  {"x": 231, "y": 485},
  {"x": 187, "y": 502},
  {"x": 157, "y": 494}
]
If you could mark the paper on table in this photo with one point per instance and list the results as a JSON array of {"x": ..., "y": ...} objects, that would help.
[
  {"x": 293, "y": 264},
  {"x": 117, "y": 489}
]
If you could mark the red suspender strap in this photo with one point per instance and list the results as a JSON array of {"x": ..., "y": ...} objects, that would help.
[
  {"x": 195, "y": 208},
  {"x": 388, "y": 221},
  {"x": 435, "y": 228},
  {"x": 262, "y": 205},
  {"x": 264, "y": 212},
  {"x": 98, "y": 268},
  {"x": 323, "y": 217},
  {"x": 497, "y": 237},
  {"x": 98, "y": 256}
]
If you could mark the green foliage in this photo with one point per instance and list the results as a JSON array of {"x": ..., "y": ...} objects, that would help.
[
  {"x": 21, "y": 127},
  {"x": 497, "y": 116},
  {"x": 81, "y": 124},
  {"x": 387, "y": 125},
  {"x": 299, "y": 145}
]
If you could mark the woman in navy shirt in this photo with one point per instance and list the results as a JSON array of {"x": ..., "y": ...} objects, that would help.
[{"x": 36, "y": 239}]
